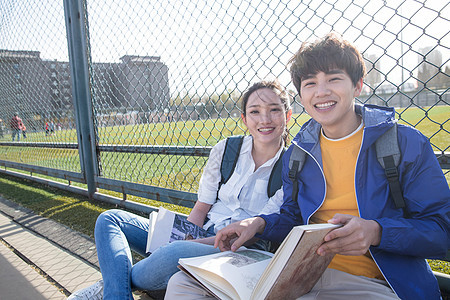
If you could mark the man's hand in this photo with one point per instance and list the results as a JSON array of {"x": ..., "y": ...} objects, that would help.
[
  {"x": 236, "y": 234},
  {"x": 354, "y": 238}
]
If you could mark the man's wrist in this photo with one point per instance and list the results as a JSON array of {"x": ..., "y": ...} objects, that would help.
[
  {"x": 260, "y": 225},
  {"x": 377, "y": 235}
]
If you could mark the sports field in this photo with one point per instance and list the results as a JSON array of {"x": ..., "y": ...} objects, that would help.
[{"x": 179, "y": 172}]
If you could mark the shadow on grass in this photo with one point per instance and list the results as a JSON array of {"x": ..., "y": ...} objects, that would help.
[{"x": 72, "y": 210}]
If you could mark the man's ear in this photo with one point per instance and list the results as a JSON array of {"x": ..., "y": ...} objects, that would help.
[
  {"x": 358, "y": 88},
  {"x": 288, "y": 115}
]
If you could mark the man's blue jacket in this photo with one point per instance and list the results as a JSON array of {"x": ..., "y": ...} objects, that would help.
[{"x": 405, "y": 241}]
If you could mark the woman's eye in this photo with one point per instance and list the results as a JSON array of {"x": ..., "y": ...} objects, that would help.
[{"x": 253, "y": 112}]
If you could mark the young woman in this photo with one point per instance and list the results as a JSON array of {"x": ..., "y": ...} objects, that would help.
[{"x": 266, "y": 110}]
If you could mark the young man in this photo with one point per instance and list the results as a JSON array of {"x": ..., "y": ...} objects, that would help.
[
  {"x": 16, "y": 126},
  {"x": 380, "y": 250}
]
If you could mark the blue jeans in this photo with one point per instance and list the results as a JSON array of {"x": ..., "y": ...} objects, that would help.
[
  {"x": 116, "y": 231},
  {"x": 14, "y": 133}
]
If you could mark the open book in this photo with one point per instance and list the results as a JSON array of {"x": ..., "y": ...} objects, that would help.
[
  {"x": 253, "y": 274},
  {"x": 166, "y": 226}
]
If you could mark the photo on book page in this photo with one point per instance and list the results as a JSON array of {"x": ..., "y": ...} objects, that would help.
[{"x": 185, "y": 230}]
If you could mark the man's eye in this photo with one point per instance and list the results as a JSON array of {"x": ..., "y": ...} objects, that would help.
[{"x": 254, "y": 112}]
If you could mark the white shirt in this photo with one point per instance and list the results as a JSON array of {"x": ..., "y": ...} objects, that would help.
[{"x": 244, "y": 195}]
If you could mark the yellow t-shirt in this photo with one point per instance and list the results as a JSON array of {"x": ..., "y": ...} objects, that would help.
[{"x": 339, "y": 162}]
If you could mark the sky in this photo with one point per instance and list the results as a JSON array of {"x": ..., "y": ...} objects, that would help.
[{"x": 211, "y": 46}]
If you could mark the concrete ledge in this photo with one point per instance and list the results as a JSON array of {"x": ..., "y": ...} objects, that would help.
[
  {"x": 76, "y": 243},
  {"x": 42, "y": 259}
]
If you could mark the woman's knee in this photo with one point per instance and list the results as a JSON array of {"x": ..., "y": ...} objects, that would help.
[{"x": 107, "y": 218}]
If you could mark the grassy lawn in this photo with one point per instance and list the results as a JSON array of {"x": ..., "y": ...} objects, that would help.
[
  {"x": 180, "y": 172},
  {"x": 431, "y": 121},
  {"x": 67, "y": 208}
]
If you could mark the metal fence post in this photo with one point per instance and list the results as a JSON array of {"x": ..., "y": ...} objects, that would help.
[{"x": 75, "y": 18}]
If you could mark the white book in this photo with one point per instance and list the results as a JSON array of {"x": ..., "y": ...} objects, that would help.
[
  {"x": 253, "y": 274},
  {"x": 166, "y": 226}
]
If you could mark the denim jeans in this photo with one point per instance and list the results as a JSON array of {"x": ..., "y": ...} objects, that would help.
[
  {"x": 116, "y": 231},
  {"x": 14, "y": 133}
]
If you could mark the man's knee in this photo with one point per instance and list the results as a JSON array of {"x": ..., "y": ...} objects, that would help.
[
  {"x": 180, "y": 285},
  {"x": 176, "y": 285}
]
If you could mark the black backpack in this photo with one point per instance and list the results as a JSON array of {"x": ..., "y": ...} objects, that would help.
[{"x": 230, "y": 157}]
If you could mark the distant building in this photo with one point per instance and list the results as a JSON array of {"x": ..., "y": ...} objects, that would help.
[
  {"x": 24, "y": 83},
  {"x": 40, "y": 89},
  {"x": 146, "y": 80}
]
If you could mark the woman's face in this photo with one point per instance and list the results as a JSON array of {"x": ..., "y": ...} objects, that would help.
[{"x": 265, "y": 117}]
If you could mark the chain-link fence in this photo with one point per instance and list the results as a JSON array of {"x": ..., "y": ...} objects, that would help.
[{"x": 130, "y": 95}]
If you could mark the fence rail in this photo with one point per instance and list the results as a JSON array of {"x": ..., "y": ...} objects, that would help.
[{"x": 130, "y": 97}]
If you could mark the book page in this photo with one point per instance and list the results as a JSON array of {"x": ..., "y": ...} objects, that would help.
[
  {"x": 162, "y": 229},
  {"x": 294, "y": 271},
  {"x": 278, "y": 261},
  {"x": 151, "y": 229},
  {"x": 166, "y": 226},
  {"x": 184, "y": 230},
  {"x": 241, "y": 270},
  {"x": 213, "y": 283}
]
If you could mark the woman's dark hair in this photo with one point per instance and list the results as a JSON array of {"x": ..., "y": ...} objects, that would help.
[{"x": 278, "y": 89}]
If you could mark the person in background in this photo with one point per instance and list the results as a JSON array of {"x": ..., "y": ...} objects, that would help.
[
  {"x": 2, "y": 128},
  {"x": 380, "y": 249},
  {"x": 52, "y": 127},
  {"x": 24, "y": 130},
  {"x": 266, "y": 111},
  {"x": 15, "y": 125},
  {"x": 47, "y": 128}
]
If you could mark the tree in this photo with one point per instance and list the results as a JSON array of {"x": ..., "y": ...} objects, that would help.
[
  {"x": 429, "y": 70},
  {"x": 373, "y": 77}
]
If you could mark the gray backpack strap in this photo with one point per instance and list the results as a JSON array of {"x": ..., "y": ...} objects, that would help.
[
  {"x": 296, "y": 162},
  {"x": 388, "y": 155},
  {"x": 387, "y": 145}
]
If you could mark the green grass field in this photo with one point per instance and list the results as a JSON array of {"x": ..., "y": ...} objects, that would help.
[
  {"x": 179, "y": 172},
  {"x": 431, "y": 121}
]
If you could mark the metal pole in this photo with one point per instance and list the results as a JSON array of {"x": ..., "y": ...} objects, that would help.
[{"x": 75, "y": 16}]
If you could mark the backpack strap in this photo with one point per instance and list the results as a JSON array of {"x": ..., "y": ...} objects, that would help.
[
  {"x": 388, "y": 155},
  {"x": 296, "y": 161},
  {"x": 275, "y": 182},
  {"x": 230, "y": 157}
]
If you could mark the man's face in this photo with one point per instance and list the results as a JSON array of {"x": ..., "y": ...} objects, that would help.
[{"x": 329, "y": 99}]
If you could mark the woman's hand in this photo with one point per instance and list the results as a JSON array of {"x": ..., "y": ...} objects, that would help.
[{"x": 208, "y": 240}]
